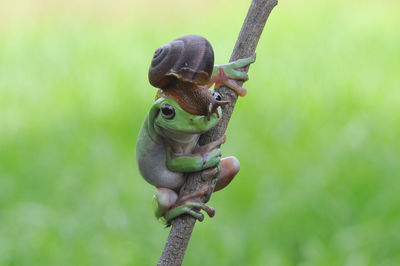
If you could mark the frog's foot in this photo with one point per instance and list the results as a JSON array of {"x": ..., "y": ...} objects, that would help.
[
  {"x": 223, "y": 173},
  {"x": 211, "y": 146},
  {"x": 190, "y": 207},
  {"x": 211, "y": 173},
  {"x": 211, "y": 152},
  {"x": 224, "y": 75},
  {"x": 168, "y": 206}
]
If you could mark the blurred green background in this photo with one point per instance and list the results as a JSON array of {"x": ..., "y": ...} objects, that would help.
[{"x": 318, "y": 134}]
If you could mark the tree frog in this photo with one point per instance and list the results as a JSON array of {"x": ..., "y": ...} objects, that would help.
[{"x": 185, "y": 107}]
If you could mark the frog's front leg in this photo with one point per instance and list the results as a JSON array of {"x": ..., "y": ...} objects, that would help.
[
  {"x": 198, "y": 161},
  {"x": 223, "y": 75}
]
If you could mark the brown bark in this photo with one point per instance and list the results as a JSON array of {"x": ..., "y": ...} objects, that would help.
[{"x": 245, "y": 46}]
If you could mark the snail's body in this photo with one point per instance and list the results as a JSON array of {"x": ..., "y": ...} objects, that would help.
[{"x": 185, "y": 107}]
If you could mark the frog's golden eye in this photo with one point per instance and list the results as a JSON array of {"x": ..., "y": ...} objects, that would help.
[{"x": 167, "y": 111}]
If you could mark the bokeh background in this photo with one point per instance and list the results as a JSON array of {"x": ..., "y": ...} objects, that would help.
[{"x": 317, "y": 135}]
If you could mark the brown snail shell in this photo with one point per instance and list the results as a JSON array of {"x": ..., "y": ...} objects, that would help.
[
  {"x": 189, "y": 58},
  {"x": 182, "y": 69}
]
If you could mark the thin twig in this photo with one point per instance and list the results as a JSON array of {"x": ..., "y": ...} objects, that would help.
[{"x": 245, "y": 46}]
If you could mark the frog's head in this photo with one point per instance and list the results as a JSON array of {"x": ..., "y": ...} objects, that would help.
[{"x": 173, "y": 118}]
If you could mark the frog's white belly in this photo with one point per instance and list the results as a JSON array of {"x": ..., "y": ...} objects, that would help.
[{"x": 153, "y": 167}]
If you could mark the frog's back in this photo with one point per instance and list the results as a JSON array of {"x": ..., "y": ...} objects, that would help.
[{"x": 152, "y": 161}]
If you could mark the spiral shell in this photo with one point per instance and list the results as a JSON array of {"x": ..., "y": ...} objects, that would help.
[{"x": 189, "y": 58}]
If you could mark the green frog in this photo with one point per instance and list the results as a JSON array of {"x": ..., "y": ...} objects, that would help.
[{"x": 185, "y": 107}]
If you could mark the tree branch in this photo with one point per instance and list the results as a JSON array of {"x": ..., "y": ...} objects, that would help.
[{"x": 245, "y": 46}]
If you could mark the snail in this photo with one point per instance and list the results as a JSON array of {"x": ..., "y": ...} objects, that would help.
[{"x": 182, "y": 69}]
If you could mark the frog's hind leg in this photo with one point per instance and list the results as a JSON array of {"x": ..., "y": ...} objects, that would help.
[
  {"x": 168, "y": 205},
  {"x": 163, "y": 199},
  {"x": 230, "y": 166}
]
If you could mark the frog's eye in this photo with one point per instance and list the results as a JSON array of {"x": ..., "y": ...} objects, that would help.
[
  {"x": 217, "y": 96},
  {"x": 167, "y": 111}
]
